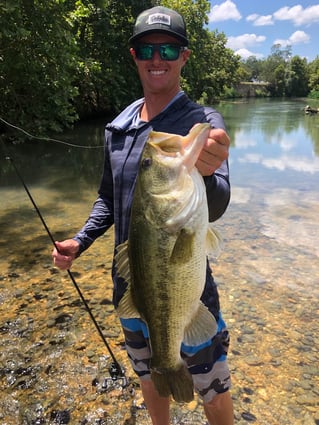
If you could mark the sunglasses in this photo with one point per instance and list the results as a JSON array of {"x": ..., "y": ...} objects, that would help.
[{"x": 168, "y": 52}]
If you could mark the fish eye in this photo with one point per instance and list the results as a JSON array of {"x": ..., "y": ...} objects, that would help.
[{"x": 147, "y": 162}]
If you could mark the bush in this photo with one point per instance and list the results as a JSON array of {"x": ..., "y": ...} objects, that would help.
[{"x": 314, "y": 94}]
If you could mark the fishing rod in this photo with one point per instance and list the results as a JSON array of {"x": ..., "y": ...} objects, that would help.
[{"x": 116, "y": 371}]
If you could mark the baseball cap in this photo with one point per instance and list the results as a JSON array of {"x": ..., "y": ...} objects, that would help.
[{"x": 161, "y": 20}]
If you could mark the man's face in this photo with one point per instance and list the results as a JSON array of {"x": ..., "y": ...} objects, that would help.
[{"x": 159, "y": 75}]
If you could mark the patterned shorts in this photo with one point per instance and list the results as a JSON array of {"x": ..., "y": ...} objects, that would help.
[{"x": 207, "y": 362}]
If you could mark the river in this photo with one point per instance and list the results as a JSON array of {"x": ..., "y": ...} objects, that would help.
[{"x": 53, "y": 363}]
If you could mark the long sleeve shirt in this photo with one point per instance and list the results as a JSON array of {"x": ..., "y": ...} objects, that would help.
[{"x": 125, "y": 138}]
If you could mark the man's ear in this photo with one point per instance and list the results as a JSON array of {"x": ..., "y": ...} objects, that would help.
[
  {"x": 186, "y": 54},
  {"x": 132, "y": 51}
]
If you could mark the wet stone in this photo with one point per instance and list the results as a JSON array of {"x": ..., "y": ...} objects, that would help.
[
  {"x": 60, "y": 417},
  {"x": 13, "y": 275},
  {"x": 249, "y": 417},
  {"x": 63, "y": 318},
  {"x": 254, "y": 361}
]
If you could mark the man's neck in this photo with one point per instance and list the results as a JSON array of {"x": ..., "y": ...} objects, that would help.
[{"x": 154, "y": 105}]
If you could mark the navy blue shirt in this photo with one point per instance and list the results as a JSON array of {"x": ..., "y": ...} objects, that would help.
[{"x": 125, "y": 138}]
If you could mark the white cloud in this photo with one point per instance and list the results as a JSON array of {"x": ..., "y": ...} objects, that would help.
[
  {"x": 242, "y": 43},
  {"x": 298, "y": 37},
  {"x": 245, "y": 40},
  {"x": 252, "y": 17},
  {"x": 224, "y": 12},
  {"x": 298, "y": 15},
  {"x": 260, "y": 20}
]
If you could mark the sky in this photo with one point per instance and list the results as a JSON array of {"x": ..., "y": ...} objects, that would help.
[{"x": 253, "y": 27}]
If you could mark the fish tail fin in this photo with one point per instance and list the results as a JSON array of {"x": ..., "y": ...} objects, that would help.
[{"x": 175, "y": 382}]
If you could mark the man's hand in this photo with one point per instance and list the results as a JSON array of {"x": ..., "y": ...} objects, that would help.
[
  {"x": 214, "y": 152},
  {"x": 68, "y": 250}
]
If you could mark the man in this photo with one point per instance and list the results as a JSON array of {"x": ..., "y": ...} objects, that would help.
[{"x": 159, "y": 49}]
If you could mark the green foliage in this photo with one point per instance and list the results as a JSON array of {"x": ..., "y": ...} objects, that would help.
[
  {"x": 314, "y": 94},
  {"x": 313, "y": 70},
  {"x": 288, "y": 76},
  {"x": 230, "y": 93},
  {"x": 250, "y": 69},
  {"x": 106, "y": 74},
  {"x": 37, "y": 65},
  {"x": 65, "y": 59},
  {"x": 297, "y": 77}
]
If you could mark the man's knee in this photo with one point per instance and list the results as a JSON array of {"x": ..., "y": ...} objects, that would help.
[{"x": 219, "y": 401}]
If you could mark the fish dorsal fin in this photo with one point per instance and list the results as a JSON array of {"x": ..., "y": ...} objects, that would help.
[
  {"x": 213, "y": 241},
  {"x": 126, "y": 308},
  {"x": 202, "y": 327}
]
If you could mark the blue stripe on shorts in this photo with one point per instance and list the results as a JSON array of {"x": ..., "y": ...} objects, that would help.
[{"x": 135, "y": 325}]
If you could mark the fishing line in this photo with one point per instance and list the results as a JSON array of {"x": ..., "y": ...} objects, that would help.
[
  {"x": 116, "y": 371},
  {"x": 49, "y": 139}
]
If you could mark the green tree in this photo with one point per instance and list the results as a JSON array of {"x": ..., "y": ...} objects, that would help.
[
  {"x": 273, "y": 69},
  {"x": 64, "y": 59},
  {"x": 106, "y": 75},
  {"x": 279, "y": 82},
  {"x": 252, "y": 66},
  {"x": 297, "y": 77},
  {"x": 37, "y": 65},
  {"x": 313, "y": 71}
]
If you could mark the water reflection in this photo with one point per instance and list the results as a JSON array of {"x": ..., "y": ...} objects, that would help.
[
  {"x": 268, "y": 276},
  {"x": 75, "y": 157}
]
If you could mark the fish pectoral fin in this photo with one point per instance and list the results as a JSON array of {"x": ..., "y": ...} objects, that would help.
[
  {"x": 126, "y": 308},
  {"x": 122, "y": 264},
  {"x": 213, "y": 241},
  {"x": 183, "y": 248},
  {"x": 202, "y": 327}
]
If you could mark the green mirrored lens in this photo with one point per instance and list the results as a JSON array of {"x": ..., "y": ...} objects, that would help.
[
  {"x": 144, "y": 52},
  {"x": 168, "y": 52}
]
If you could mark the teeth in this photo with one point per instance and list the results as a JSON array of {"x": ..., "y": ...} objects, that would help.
[{"x": 157, "y": 72}]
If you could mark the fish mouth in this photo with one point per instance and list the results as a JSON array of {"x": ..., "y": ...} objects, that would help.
[
  {"x": 187, "y": 147},
  {"x": 168, "y": 146}
]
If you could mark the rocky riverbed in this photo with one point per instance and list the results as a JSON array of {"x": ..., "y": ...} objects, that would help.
[{"x": 54, "y": 365}]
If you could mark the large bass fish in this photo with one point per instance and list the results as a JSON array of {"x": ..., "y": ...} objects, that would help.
[{"x": 164, "y": 259}]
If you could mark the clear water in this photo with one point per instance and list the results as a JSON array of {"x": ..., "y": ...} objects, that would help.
[{"x": 268, "y": 276}]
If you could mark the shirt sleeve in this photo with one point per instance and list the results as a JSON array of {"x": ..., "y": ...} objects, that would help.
[
  {"x": 218, "y": 184},
  {"x": 101, "y": 217}
]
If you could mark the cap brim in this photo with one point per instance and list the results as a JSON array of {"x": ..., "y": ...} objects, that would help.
[{"x": 179, "y": 37}]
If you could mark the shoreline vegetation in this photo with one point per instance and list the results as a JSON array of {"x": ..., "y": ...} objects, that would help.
[{"x": 46, "y": 89}]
